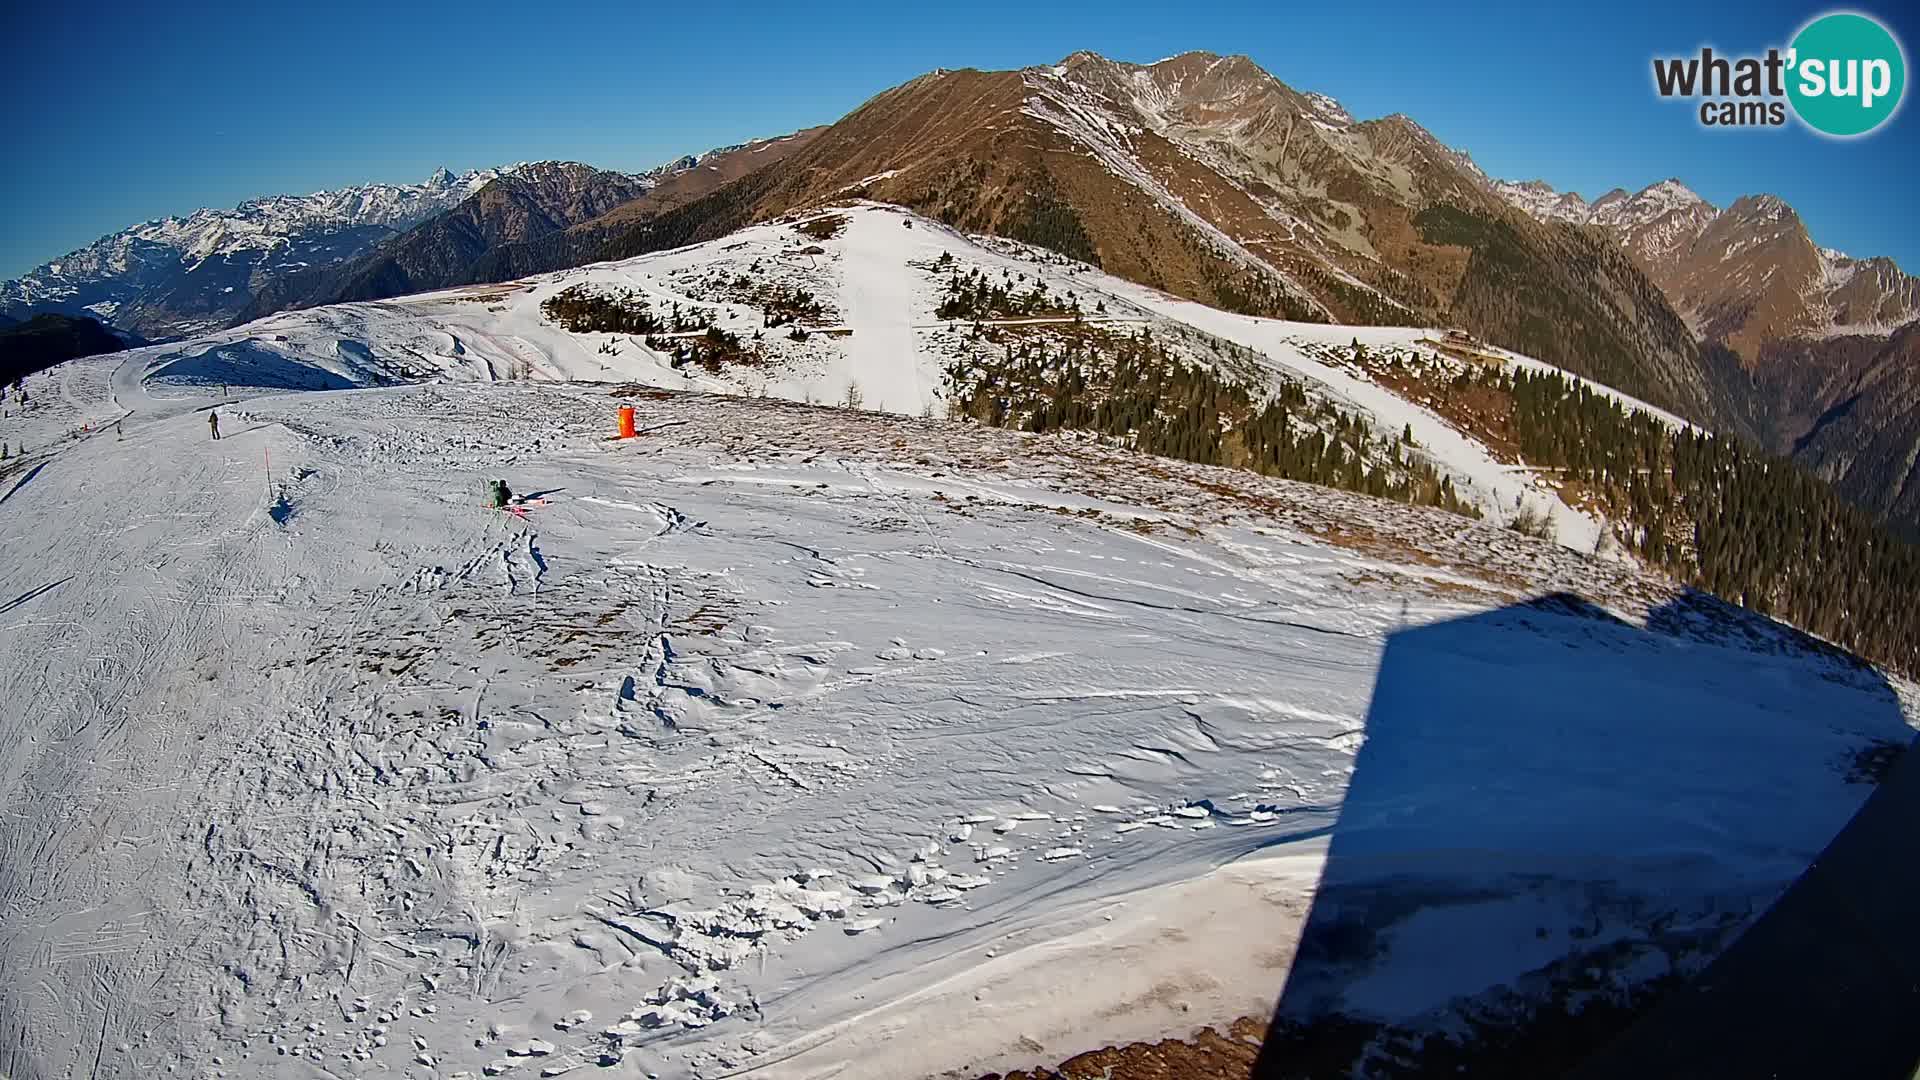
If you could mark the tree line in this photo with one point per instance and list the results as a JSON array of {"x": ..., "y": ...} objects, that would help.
[
  {"x": 1131, "y": 388},
  {"x": 1714, "y": 512},
  {"x": 975, "y": 295},
  {"x": 580, "y": 309}
]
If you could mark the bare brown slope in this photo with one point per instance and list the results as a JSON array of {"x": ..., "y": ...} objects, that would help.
[
  {"x": 702, "y": 177},
  {"x": 1748, "y": 276},
  {"x": 1866, "y": 441},
  {"x": 959, "y": 146},
  {"x": 1819, "y": 349},
  {"x": 687, "y": 181},
  {"x": 546, "y": 200}
]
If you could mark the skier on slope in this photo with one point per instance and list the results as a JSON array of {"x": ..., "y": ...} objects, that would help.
[{"x": 213, "y": 424}]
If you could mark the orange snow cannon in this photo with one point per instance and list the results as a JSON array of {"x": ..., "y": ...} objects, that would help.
[{"x": 626, "y": 421}]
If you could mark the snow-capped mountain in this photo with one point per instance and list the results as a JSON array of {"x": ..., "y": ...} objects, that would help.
[
  {"x": 1748, "y": 275},
  {"x": 1755, "y": 277},
  {"x": 1617, "y": 209},
  {"x": 1818, "y": 345},
  {"x": 1656, "y": 225},
  {"x": 1210, "y": 178},
  {"x": 1539, "y": 199},
  {"x": 537, "y": 217},
  {"x": 527, "y": 203},
  {"x": 177, "y": 276},
  {"x": 942, "y": 730}
]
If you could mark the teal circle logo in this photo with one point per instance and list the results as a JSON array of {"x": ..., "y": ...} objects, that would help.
[{"x": 1847, "y": 74}]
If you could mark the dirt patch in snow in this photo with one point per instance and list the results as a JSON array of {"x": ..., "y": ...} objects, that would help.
[{"x": 1208, "y": 1055}]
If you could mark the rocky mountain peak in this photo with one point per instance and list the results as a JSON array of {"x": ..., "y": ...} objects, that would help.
[
  {"x": 679, "y": 164},
  {"x": 1081, "y": 58},
  {"x": 1672, "y": 190},
  {"x": 1763, "y": 210}
]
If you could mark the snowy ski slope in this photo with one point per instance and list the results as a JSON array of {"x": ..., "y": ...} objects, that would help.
[{"x": 780, "y": 739}]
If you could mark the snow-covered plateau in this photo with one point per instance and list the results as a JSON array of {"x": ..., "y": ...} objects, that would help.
[{"x": 795, "y": 740}]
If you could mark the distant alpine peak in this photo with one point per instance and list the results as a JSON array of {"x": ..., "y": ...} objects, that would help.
[
  {"x": 1653, "y": 203},
  {"x": 107, "y": 277},
  {"x": 1671, "y": 188},
  {"x": 1329, "y": 109},
  {"x": 1660, "y": 199},
  {"x": 215, "y": 257},
  {"x": 679, "y": 164},
  {"x": 1763, "y": 208},
  {"x": 545, "y": 167},
  {"x": 1617, "y": 207},
  {"x": 1539, "y": 200}
]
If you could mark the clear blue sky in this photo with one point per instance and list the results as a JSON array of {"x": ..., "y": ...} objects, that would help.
[{"x": 123, "y": 111}]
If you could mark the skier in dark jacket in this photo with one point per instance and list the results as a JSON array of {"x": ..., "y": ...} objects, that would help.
[{"x": 213, "y": 424}]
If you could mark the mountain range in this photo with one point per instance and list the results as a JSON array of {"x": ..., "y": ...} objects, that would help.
[
  {"x": 176, "y": 276},
  {"x": 544, "y": 216},
  {"x": 1202, "y": 175},
  {"x": 1818, "y": 350},
  {"x": 180, "y": 276}
]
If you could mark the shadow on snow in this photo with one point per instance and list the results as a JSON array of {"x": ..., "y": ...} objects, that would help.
[
  {"x": 1556, "y": 822},
  {"x": 249, "y": 364}
]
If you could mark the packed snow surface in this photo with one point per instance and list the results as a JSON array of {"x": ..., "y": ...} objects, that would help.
[{"x": 780, "y": 737}]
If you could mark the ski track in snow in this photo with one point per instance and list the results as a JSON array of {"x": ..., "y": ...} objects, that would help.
[
  {"x": 760, "y": 726},
  {"x": 880, "y": 305}
]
